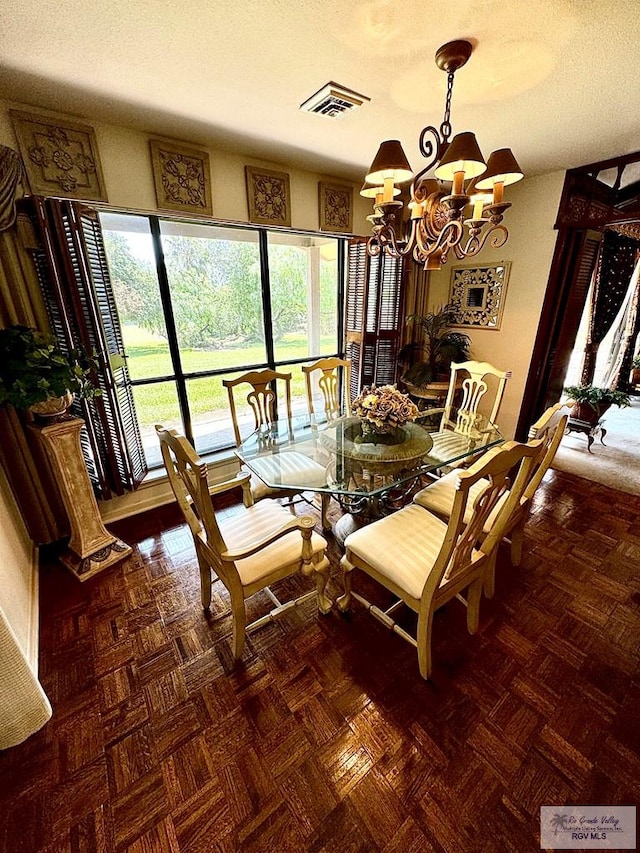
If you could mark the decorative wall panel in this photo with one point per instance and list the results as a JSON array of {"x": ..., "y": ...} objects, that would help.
[
  {"x": 181, "y": 176},
  {"x": 268, "y": 197},
  {"x": 60, "y": 157},
  {"x": 335, "y": 207}
]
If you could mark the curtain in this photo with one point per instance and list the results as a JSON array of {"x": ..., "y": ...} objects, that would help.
[
  {"x": 23, "y": 459},
  {"x": 615, "y": 268},
  {"x": 618, "y": 377}
]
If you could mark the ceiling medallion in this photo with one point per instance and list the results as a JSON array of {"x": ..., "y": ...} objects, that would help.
[{"x": 437, "y": 224}]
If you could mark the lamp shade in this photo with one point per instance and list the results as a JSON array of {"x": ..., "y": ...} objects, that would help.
[
  {"x": 501, "y": 168},
  {"x": 373, "y": 190},
  {"x": 462, "y": 155},
  {"x": 389, "y": 162}
]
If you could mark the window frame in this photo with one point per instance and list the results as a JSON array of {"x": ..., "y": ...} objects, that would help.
[{"x": 180, "y": 377}]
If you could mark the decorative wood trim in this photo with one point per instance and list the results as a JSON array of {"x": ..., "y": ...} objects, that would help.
[
  {"x": 477, "y": 293},
  {"x": 60, "y": 157},
  {"x": 181, "y": 175},
  {"x": 335, "y": 207},
  {"x": 268, "y": 197}
]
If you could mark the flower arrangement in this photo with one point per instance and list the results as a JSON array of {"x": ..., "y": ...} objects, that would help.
[{"x": 384, "y": 408}]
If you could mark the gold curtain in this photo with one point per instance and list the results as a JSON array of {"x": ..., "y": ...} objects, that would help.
[{"x": 23, "y": 459}]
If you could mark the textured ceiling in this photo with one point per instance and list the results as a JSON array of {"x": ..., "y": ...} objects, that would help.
[{"x": 556, "y": 80}]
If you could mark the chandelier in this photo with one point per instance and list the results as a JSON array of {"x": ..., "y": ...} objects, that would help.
[{"x": 437, "y": 224}]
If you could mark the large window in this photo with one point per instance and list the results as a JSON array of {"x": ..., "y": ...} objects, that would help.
[{"x": 200, "y": 303}]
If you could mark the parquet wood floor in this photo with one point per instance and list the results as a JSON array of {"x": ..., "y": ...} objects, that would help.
[{"x": 325, "y": 739}]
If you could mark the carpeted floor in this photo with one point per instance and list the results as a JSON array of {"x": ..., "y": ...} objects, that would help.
[{"x": 617, "y": 462}]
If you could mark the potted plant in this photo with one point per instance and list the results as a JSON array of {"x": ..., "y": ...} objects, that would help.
[
  {"x": 36, "y": 374},
  {"x": 634, "y": 377},
  {"x": 590, "y": 402},
  {"x": 429, "y": 360}
]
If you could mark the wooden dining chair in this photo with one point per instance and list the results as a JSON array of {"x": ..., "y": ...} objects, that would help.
[
  {"x": 249, "y": 551},
  {"x": 425, "y": 561},
  {"x": 332, "y": 385},
  {"x": 260, "y": 395},
  {"x": 438, "y": 497},
  {"x": 470, "y": 410}
]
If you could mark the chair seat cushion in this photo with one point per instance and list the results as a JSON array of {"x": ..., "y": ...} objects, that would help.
[
  {"x": 448, "y": 445},
  {"x": 290, "y": 469},
  {"x": 257, "y": 522},
  {"x": 439, "y": 496},
  {"x": 402, "y": 546}
]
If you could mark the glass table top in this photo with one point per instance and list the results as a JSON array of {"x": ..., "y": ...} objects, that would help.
[{"x": 339, "y": 458}]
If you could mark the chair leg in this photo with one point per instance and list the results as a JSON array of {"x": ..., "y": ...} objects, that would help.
[
  {"x": 490, "y": 575},
  {"x": 326, "y": 500},
  {"x": 321, "y": 571},
  {"x": 517, "y": 537},
  {"x": 423, "y": 638},
  {"x": 344, "y": 601},
  {"x": 205, "y": 582},
  {"x": 473, "y": 606},
  {"x": 239, "y": 614}
]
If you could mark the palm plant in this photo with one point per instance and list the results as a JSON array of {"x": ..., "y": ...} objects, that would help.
[{"x": 440, "y": 345}]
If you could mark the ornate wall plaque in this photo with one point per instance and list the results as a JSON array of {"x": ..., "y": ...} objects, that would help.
[
  {"x": 268, "y": 197},
  {"x": 60, "y": 157},
  {"x": 478, "y": 293},
  {"x": 335, "y": 207},
  {"x": 181, "y": 176}
]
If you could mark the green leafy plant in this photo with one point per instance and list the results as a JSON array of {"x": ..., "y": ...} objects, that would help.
[
  {"x": 33, "y": 368},
  {"x": 636, "y": 362},
  {"x": 596, "y": 398},
  {"x": 440, "y": 346}
]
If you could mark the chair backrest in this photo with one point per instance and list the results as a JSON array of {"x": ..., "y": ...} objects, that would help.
[
  {"x": 464, "y": 543},
  {"x": 331, "y": 384},
  {"x": 261, "y": 397},
  {"x": 468, "y": 380},
  {"x": 187, "y": 474},
  {"x": 550, "y": 428}
]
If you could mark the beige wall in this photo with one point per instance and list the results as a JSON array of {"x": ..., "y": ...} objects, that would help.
[
  {"x": 530, "y": 250},
  {"x": 126, "y": 164}
]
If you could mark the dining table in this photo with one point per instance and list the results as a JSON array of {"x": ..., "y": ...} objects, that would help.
[{"x": 369, "y": 474}]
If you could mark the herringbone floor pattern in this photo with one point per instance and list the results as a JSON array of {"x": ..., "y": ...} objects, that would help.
[{"x": 325, "y": 738}]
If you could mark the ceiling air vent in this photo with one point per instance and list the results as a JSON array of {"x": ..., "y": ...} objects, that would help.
[{"x": 333, "y": 100}]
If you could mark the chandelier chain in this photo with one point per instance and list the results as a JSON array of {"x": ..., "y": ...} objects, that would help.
[{"x": 445, "y": 127}]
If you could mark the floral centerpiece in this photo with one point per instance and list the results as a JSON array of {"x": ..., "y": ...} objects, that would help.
[{"x": 383, "y": 408}]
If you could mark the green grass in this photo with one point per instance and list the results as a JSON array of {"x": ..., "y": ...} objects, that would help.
[{"x": 148, "y": 356}]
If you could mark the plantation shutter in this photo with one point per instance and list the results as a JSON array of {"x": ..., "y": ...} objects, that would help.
[
  {"x": 74, "y": 276},
  {"x": 354, "y": 309},
  {"x": 373, "y": 314},
  {"x": 582, "y": 265}
]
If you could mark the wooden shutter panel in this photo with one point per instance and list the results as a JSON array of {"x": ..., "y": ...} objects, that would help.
[
  {"x": 373, "y": 315},
  {"x": 75, "y": 278},
  {"x": 354, "y": 308},
  {"x": 579, "y": 276}
]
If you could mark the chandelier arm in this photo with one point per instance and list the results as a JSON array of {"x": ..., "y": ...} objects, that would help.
[
  {"x": 385, "y": 240},
  {"x": 450, "y": 236},
  {"x": 498, "y": 233}
]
